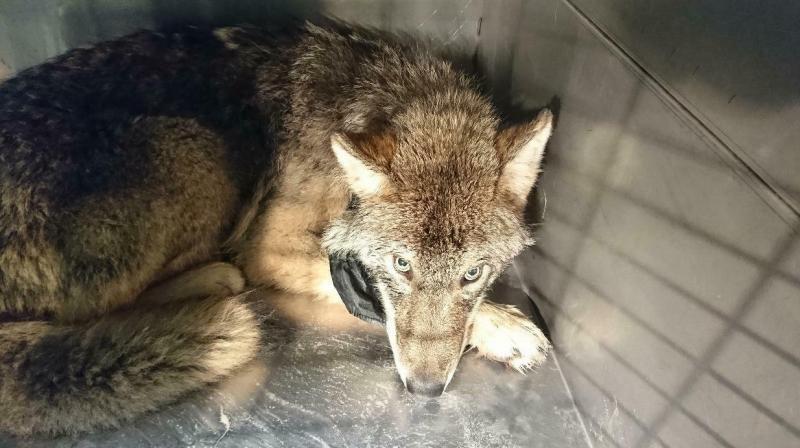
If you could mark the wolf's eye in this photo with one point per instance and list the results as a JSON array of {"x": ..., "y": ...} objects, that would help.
[
  {"x": 473, "y": 273},
  {"x": 402, "y": 265}
]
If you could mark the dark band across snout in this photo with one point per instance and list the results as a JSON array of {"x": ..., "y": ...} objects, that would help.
[{"x": 356, "y": 288}]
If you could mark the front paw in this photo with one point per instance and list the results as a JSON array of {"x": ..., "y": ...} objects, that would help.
[{"x": 502, "y": 333}]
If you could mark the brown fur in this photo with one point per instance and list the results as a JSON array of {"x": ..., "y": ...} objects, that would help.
[{"x": 241, "y": 143}]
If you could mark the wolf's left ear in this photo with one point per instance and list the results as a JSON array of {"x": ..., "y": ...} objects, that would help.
[
  {"x": 521, "y": 147},
  {"x": 365, "y": 160}
]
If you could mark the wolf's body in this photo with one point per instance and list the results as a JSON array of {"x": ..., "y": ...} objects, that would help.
[{"x": 145, "y": 160}]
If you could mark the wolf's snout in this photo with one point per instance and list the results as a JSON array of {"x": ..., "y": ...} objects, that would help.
[
  {"x": 425, "y": 387},
  {"x": 426, "y": 364}
]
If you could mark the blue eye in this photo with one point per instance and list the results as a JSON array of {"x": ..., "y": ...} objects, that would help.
[
  {"x": 401, "y": 264},
  {"x": 473, "y": 273}
]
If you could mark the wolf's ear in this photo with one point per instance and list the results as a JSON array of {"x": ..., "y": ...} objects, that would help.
[
  {"x": 521, "y": 147},
  {"x": 365, "y": 160}
]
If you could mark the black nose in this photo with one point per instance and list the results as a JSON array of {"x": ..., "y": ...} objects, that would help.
[{"x": 426, "y": 388}]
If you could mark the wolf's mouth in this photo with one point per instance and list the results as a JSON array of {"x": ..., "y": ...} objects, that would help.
[{"x": 356, "y": 288}]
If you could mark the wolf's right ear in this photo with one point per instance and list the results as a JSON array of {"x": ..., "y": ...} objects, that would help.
[
  {"x": 365, "y": 160},
  {"x": 521, "y": 148}
]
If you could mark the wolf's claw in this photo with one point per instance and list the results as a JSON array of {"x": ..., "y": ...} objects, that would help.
[{"x": 502, "y": 333}]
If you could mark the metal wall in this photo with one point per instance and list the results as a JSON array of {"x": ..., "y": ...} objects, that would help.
[
  {"x": 735, "y": 64},
  {"x": 33, "y": 30},
  {"x": 668, "y": 262}
]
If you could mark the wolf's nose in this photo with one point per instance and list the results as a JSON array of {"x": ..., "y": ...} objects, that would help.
[{"x": 426, "y": 388}]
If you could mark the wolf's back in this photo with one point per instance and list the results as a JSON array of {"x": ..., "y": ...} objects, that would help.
[{"x": 65, "y": 379}]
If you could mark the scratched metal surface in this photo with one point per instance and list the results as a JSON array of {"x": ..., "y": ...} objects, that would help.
[{"x": 327, "y": 379}]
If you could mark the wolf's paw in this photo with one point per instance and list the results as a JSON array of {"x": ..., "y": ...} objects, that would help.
[
  {"x": 211, "y": 280},
  {"x": 502, "y": 333},
  {"x": 227, "y": 279}
]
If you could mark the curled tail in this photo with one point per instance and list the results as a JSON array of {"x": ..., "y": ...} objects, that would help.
[{"x": 60, "y": 379}]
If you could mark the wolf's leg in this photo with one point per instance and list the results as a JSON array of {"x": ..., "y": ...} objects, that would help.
[
  {"x": 502, "y": 333},
  {"x": 286, "y": 252},
  {"x": 211, "y": 280},
  {"x": 297, "y": 273}
]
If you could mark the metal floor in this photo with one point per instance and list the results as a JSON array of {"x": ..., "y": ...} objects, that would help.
[{"x": 327, "y": 379}]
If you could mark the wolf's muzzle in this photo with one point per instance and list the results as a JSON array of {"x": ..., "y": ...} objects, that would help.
[
  {"x": 425, "y": 388},
  {"x": 356, "y": 288}
]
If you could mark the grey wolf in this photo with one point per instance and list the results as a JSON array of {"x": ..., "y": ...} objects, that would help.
[{"x": 145, "y": 179}]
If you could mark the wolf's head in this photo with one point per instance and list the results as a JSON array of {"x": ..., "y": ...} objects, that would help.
[{"x": 436, "y": 216}]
